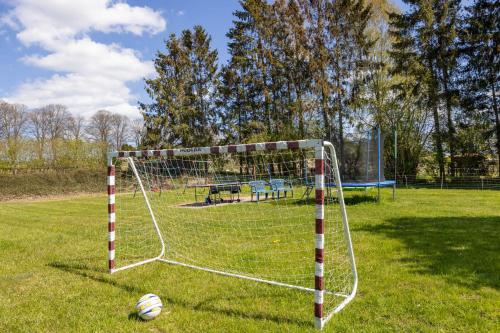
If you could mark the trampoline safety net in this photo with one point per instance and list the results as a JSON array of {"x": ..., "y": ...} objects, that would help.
[{"x": 361, "y": 157}]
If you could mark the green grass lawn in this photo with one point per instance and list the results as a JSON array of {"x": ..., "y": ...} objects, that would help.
[{"x": 428, "y": 262}]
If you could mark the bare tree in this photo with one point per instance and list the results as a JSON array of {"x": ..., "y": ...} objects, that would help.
[
  {"x": 4, "y": 106},
  {"x": 12, "y": 122},
  {"x": 59, "y": 117},
  {"x": 137, "y": 131},
  {"x": 120, "y": 126},
  {"x": 99, "y": 127},
  {"x": 39, "y": 128},
  {"x": 49, "y": 123},
  {"x": 75, "y": 127}
]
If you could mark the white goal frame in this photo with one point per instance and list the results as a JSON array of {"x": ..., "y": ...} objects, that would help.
[{"x": 319, "y": 146}]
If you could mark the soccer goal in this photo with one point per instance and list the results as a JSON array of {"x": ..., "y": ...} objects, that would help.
[{"x": 259, "y": 211}]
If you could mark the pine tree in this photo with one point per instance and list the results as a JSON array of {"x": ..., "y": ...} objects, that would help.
[
  {"x": 347, "y": 45},
  {"x": 316, "y": 15},
  {"x": 425, "y": 37},
  {"x": 182, "y": 112},
  {"x": 446, "y": 17},
  {"x": 204, "y": 83},
  {"x": 243, "y": 116},
  {"x": 481, "y": 51},
  {"x": 295, "y": 58}
]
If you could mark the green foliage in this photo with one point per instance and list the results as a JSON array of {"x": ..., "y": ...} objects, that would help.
[
  {"x": 480, "y": 74},
  {"x": 425, "y": 48},
  {"x": 70, "y": 153},
  {"x": 322, "y": 68}
]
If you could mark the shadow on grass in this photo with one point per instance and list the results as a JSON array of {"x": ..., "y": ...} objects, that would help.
[
  {"x": 356, "y": 199},
  {"x": 464, "y": 250},
  {"x": 134, "y": 316},
  {"x": 349, "y": 199},
  {"x": 204, "y": 305}
]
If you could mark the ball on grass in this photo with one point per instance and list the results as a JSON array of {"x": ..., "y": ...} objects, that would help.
[{"x": 149, "y": 306}]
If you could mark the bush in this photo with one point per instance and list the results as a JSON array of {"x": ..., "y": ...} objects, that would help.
[{"x": 52, "y": 182}]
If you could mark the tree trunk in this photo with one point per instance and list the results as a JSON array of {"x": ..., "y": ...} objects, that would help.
[
  {"x": 324, "y": 106},
  {"x": 300, "y": 114},
  {"x": 267, "y": 106},
  {"x": 290, "y": 102},
  {"x": 437, "y": 128},
  {"x": 341, "y": 135},
  {"x": 451, "y": 126},
  {"x": 437, "y": 138},
  {"x": 497, "y": 123},
  {"x": 41, "y": 144}
]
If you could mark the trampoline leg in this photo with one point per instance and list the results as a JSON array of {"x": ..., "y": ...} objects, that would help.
[{"x": 394, "y": 192}]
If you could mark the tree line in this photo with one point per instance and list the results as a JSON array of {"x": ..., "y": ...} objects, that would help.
[
  {"x": 52, "y": 137},
  {"x": 325, "y": 68}
]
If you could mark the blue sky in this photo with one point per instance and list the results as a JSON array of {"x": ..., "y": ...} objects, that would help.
[{"x": 93, "y": 54}]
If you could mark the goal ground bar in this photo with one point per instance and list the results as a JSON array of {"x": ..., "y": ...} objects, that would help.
[{"x": 275, "y": 283}]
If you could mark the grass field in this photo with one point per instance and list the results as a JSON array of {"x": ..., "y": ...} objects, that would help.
[{"x": 428, "y": 262}]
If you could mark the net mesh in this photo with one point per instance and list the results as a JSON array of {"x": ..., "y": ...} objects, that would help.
[
  {"x": 207, "y": 211},
  {"x": 359, "y": 159}
]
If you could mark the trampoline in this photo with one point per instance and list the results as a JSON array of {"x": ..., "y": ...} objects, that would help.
[{"x": 361, "y": 159}]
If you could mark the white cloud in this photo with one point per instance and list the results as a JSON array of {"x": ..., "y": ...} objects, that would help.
[
  {"x": 90, "y": 75},
  {"x": 83, "y": 94},
  {"x": 49, "y": 21},
  {"x": 87, "y": 57},
  {"x": 181, "y": 13}
]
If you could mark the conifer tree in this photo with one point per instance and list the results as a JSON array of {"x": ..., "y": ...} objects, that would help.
[
  {"x": 481, "y": 51},
  {"x": 182, "y": 111},
  {"x": 426, "y": 37}
]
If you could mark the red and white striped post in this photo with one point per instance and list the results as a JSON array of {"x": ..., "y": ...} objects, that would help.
[
  {"x": 111, "y": 215},
  {"x": 319, "y": 283}
]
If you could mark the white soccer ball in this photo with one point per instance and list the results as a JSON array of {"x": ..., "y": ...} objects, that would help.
[{"x": 149, "y": 306}]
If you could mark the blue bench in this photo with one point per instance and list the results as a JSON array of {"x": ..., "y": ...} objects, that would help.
[
  {"x": 258, "y": 187},
  {"x": 281, "y": 186}
]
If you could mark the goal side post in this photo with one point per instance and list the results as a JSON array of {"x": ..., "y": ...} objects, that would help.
[
  {"x": 321, "y": 321},
  {"x": 112, "y": 217},
  {"x": 319, "y": 282}
]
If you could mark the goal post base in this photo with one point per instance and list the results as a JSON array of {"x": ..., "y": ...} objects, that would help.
[
  {"x": 143, "y": 262},
  {"x": 176, "y": 263}
]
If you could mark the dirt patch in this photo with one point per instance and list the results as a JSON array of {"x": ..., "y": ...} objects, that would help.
[
  {"x": 198, "y": 205},
  {"x": 52, "y": 197}
]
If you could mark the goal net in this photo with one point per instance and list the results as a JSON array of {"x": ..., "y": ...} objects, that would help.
[{"x": 268, "y": 212}]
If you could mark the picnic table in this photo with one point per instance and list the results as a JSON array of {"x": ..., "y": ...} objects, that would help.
[{"x": 215, "y": 191}]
